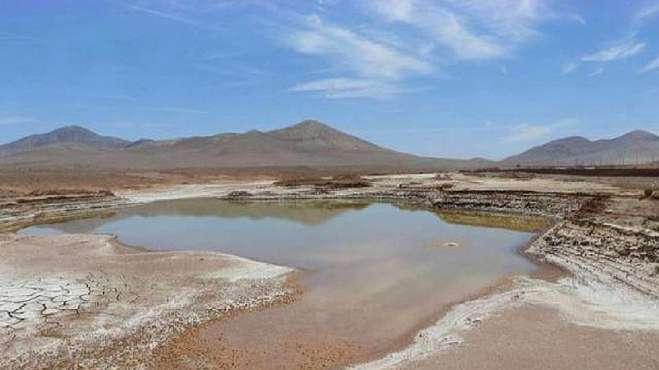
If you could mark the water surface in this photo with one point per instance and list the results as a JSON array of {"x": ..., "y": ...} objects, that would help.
[{"x": 374, "y": 271}]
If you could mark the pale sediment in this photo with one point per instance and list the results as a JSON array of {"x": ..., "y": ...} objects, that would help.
[
  {"x": 580, "y": 300},
  {"x": 614, "y": 282},
  {"x": 611, "y": 255},
  {"x": 84, "y": 300}
]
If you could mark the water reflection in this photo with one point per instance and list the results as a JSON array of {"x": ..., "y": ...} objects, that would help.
[{"x": 371, "y": 273}]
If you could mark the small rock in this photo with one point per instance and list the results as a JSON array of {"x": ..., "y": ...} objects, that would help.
[
  {"x": 239, "y": 194},
  {"x": 621, "y": 249},
  {"x": 652, "y": 269}
]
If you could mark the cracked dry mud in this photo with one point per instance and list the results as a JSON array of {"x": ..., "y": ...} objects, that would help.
[
  {"x": 33, "y": 304},
  {"x": 111, "y": 305}
]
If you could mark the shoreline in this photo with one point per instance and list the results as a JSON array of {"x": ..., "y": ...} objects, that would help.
[
  {"x": 106, "y": 309},
  {"x": 540, "y": 255}
]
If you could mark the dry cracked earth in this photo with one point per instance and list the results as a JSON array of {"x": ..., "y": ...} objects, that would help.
[{"x": 38, "y": 303}]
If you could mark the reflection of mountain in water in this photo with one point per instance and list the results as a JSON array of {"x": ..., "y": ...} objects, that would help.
[
  {"x": 500, "y": 221},
  {"x": 304, "y": 212}
]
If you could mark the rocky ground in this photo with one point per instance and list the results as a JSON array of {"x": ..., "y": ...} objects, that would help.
[{"x": 604, "y": 234}]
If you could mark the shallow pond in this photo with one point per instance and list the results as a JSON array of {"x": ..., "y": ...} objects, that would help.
[{"x": 375, "y": 271}]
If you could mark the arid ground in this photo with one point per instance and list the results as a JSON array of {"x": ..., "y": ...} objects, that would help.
[{"x": 88, "y": 300}]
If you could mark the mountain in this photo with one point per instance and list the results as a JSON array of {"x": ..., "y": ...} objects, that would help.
[
  {"x": 306, "y": 144},
  {"x": 634, "y": 147},
  {"x": 73, "y": 136},
  {"x": 314, "y": 135}
]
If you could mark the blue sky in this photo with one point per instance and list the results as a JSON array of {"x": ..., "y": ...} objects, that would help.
[{"x": 442, "y": 78}]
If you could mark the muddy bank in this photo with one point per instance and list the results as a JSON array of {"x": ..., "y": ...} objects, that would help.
[
  {"x": 23, "y": 211},
  {"x": 86, "y": 300},
  {"x": 538, "y": 338}
]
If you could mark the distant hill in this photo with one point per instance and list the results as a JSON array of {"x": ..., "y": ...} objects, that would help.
[
  {"x": 308, "y": 143},
  {"x": 634, "y": 147},
  {"x": 314, "y": 135},
  {"x": 74, "y": 136}
]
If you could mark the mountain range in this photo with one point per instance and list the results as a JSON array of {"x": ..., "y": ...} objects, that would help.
[
  {"x": 306, "y": 144},
  {"x": 635, "y": 147}
]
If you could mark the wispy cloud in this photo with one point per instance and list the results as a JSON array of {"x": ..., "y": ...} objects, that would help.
[
  {"x": 535, "y": 132},
  {"x": 527, "y": 132},
  {"x": 627, "y": 47},
  {"x": 647, "y": 12},
  {"x": 403, "y": 39},
  {"x": 619, "y": 51},
  {"x": 170, "y": 16},
  {"x": 338, "y": 88},
  {"x": 472, "y": 30},
  {"x": 176, "y": 12},
  {"x": 376, "y": 67},
  {"x": 651, "y": 66},
  {"x": 569, "y": 68},
  {"x": 360, "y": 54},
  {"x": 443, "y": 26}
]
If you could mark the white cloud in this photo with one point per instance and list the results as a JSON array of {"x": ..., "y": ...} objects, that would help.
[
  {"x": 596, "y": 72},
  {"x": 336, "y": 88},
  {"x": 569, "y": 68},
  {"x": 536, "y": 132},
  {"x": 411, "y": 38},
  {"x": 620, "y": 51},
  {"x": 444, "y": 26},
  {"x": 377, "y": 67},
  {"x": 654, "y": 64},
  {"x": 647, "y": 12},
  {"x": 527, "y": 132},
  {"x": 472, "y": 30},
  {"x": 362, "y": 55},
  {"x": 170, "y": 16},
  {"x": 175, "y": 12},
  {"x": 517, "y": 22}
]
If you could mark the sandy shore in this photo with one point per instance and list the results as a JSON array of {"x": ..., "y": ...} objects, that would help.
[
  {"x": 536, "y": 337},
  {"x": 580, "y": 304},
  {"x": 605, "y": 237}
]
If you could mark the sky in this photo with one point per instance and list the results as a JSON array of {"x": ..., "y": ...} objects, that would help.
[{"x": 440, "y": 78}]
